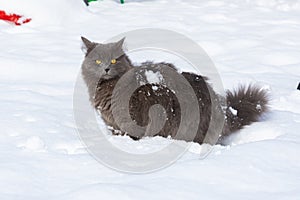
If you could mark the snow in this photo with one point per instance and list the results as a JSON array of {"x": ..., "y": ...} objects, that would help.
[
  {"x": 33, "y": 143},
  {"x": 153, "y": 77},
  {"x": 233, "y": 111},
  {"x": 41, "y": 154}
]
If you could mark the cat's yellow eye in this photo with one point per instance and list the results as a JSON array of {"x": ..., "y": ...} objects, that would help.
[
  {"x": 98, "y": 62},
  {"x": 113, "y": 61}
]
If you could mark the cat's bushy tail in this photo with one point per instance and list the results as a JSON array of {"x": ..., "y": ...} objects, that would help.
[{"x": 244, "y": 106}]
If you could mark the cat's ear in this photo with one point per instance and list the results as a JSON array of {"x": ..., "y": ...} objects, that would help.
[
  {"x": 120, "y": 43},
  {"x": 87, "y": 45}
]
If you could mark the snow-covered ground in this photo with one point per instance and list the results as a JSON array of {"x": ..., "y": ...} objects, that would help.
[{"x": 41, "y": 155}]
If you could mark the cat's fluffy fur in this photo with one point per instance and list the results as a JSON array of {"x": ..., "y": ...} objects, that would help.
[{"x": 244, "y": 106}]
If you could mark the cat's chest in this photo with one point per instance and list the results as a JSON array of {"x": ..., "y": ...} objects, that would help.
[{"x": 103, "y": 94}]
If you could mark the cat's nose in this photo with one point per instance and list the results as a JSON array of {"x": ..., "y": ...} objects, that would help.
[{"x": 106, "y": 70}]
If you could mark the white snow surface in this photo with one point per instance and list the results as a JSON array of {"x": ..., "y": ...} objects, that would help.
[{"x": 41, "y": 155}]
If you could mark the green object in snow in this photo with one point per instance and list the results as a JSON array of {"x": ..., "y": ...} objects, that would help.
[
  {"x": 122, "y": 1},
  {"x": 91, "y": 0}
]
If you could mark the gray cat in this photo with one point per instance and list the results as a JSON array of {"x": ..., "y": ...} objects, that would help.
[{"x": 107, "y": 64}]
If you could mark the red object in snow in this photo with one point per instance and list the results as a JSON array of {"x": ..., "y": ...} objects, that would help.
[{"x": 14, "y": 18}]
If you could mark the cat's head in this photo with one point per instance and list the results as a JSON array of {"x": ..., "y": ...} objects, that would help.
[{"x": 105, "y": 61}]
